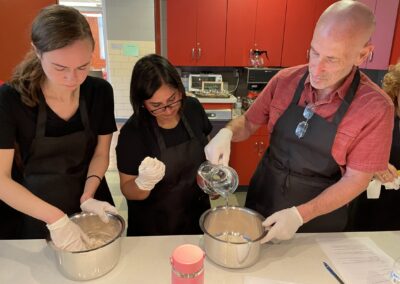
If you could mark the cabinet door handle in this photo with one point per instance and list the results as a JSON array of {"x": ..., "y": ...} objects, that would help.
[
  {"x": 256, "y": 147},
  {"x": 193, "y": 53},
  {"x": 260, "y": 148},
  {"x": 199, "y": 53}
]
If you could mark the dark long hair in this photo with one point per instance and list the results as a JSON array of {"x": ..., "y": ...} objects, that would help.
[
  {"x": 148, "y": 75},
  {"x": 55, "y": 27}
]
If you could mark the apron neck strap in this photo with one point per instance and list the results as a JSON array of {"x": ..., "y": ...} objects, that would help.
[
  {"x": 160, "y": 138},
  {"x": 42, "y": 115},
  {"x": 348, "y": 98},
  {"x": 345, "y": 103},
  {"x": 299, "y": 89}
]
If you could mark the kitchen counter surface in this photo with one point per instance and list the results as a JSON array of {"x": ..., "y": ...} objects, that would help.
[
  {"x": 203, "y": 100},
  {"x": 146, "y": 260}
]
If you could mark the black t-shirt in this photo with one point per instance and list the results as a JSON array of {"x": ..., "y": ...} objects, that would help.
[
  {"x": 136, "y": 140},
  {"x": 18, "y": 121}
]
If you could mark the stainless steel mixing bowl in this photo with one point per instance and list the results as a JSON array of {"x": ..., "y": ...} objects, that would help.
[
  {"x": 232, "y": 235},
  {"x": 95, "y": 262}
]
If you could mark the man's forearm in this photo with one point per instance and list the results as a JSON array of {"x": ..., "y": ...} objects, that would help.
[
  {"x": 335, "y": 196},
  {"x": 241, "y": 128}
]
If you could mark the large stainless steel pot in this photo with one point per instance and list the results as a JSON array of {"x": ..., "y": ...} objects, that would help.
[
  {"x": 232, "y": 235},
  {"x": 92, "y": 263}
]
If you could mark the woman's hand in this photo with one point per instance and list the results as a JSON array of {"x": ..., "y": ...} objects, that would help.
[
  {"x": 388, "y": 175},
  {"x": 151, "y": 171},
  {"x": 99, "y": 208},
  {"x": 67, "y": 235}
]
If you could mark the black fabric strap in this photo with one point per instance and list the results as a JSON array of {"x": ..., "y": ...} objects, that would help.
[{"x": 348, "y": 98}]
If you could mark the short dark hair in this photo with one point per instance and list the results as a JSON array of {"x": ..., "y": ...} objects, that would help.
[{"x": 148, "y": 75}]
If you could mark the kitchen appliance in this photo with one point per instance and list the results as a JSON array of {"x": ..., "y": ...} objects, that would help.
[
  {"x": 232, "y": 235},
  {"x": 218, "y": 118},
  {"x": 256, "y": 58},
  {"x": 95, "y": 262},
  {"x": 196, "y": 81},
  {"x": 260, "y": 75},
  {"x": 218, "y": 110},
  {"x": 257, "y": 79}
]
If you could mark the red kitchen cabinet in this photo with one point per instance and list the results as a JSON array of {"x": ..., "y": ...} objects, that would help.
[
  {"x": 395, "y": 55},
  {"x": 16, "y": 18},
  {"x": 246, "y": 155},
  {"x": 385, "y": 13},
  {"x": 196, "y": 32},
  {"x": 301, "y": 17},
  {"x": 254, "y": 24}
]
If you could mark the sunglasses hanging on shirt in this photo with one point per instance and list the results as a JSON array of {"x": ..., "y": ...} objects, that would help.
[{"x": 301, "y": 128}]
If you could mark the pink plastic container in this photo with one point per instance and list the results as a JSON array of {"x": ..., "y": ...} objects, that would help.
[{"x": 187, "y": 265}]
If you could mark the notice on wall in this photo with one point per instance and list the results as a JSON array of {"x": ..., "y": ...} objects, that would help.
[{"x": 130, "y": 50}]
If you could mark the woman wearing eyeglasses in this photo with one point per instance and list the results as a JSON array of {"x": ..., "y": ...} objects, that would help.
[{"x": 159, "y": 151}]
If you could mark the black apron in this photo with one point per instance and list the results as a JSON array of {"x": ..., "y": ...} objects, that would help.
[
  {"x": 176, "y": 203},
  {"x": 56, "y": 170},
  {"x": 293, "y": 171},
  {"x": 382, "y": 214}
]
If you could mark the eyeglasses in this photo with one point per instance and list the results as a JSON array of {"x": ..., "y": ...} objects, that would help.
[
  {"x": 303, "y": 125},
  {"x": 164, "y": 108}
]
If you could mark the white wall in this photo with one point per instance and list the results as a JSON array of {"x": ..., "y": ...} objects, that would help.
[{"x": 128, "y": 22}]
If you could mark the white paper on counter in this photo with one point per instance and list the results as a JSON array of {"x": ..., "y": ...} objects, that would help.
[
  {"x": 357, "y": 260},
  {"x": 257, "y": 280}
]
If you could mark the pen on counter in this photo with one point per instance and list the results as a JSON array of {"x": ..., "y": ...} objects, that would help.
[{"x": 333, "y": 273}]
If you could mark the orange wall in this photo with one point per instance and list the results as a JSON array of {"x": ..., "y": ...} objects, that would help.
[
  {"x": 395, "y": 56},
  {"x": 97, "y": 62},
  {"x": 15, "y": 19}
]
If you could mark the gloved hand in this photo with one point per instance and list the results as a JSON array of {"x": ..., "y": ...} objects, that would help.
[
  {"x": 99, "y": 208},
  {"x": 67, "y": 235},
  {"x": 151, "y": 171},
  {"x": 282, "y": 224},
  {"x": 218, "y": 149}
]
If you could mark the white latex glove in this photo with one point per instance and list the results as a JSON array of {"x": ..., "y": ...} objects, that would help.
[
  {"x": 374, "y": 187},
  {"x": 67, "y": 235},
  {"x": 99, "y": 208},
  {"x": 218, "y": 149},
  {"x": 282, "y": 224},
  {"x": 151, "y": 171}
]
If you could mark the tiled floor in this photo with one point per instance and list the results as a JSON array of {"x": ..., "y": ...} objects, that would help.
[{"x": 112, "y": 176}]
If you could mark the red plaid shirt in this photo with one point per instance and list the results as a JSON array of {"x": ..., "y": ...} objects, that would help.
[{"x": 364, "y": 136}]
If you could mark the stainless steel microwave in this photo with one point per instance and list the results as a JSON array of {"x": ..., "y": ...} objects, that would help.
[
  {"x": 260, "y": 75},
  {"x": 196, "y": 81}
]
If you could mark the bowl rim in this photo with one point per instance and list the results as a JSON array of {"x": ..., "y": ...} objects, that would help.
[
  {"x": 117, "y": 216},
  {"x": 239, "y": 208}
]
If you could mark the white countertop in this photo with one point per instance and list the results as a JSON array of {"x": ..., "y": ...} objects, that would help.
[
  {"x": 230, "y": 100},
  {"x": 146, "y": 260}
]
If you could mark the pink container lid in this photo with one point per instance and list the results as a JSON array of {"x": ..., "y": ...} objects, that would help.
[{"x": 187, "y": 258}]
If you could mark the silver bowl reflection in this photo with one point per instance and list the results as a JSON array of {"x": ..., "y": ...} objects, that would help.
[
  {"x": 97, "y": 261},
  {"x": 232, "y": 235}
]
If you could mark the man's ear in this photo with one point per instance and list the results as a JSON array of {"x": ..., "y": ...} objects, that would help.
[
  {"x": 35, "y": 50},
  {"x": 366, "y": 53}
]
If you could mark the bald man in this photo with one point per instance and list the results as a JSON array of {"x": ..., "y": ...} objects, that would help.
[{"x": 330, "y": 129}]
